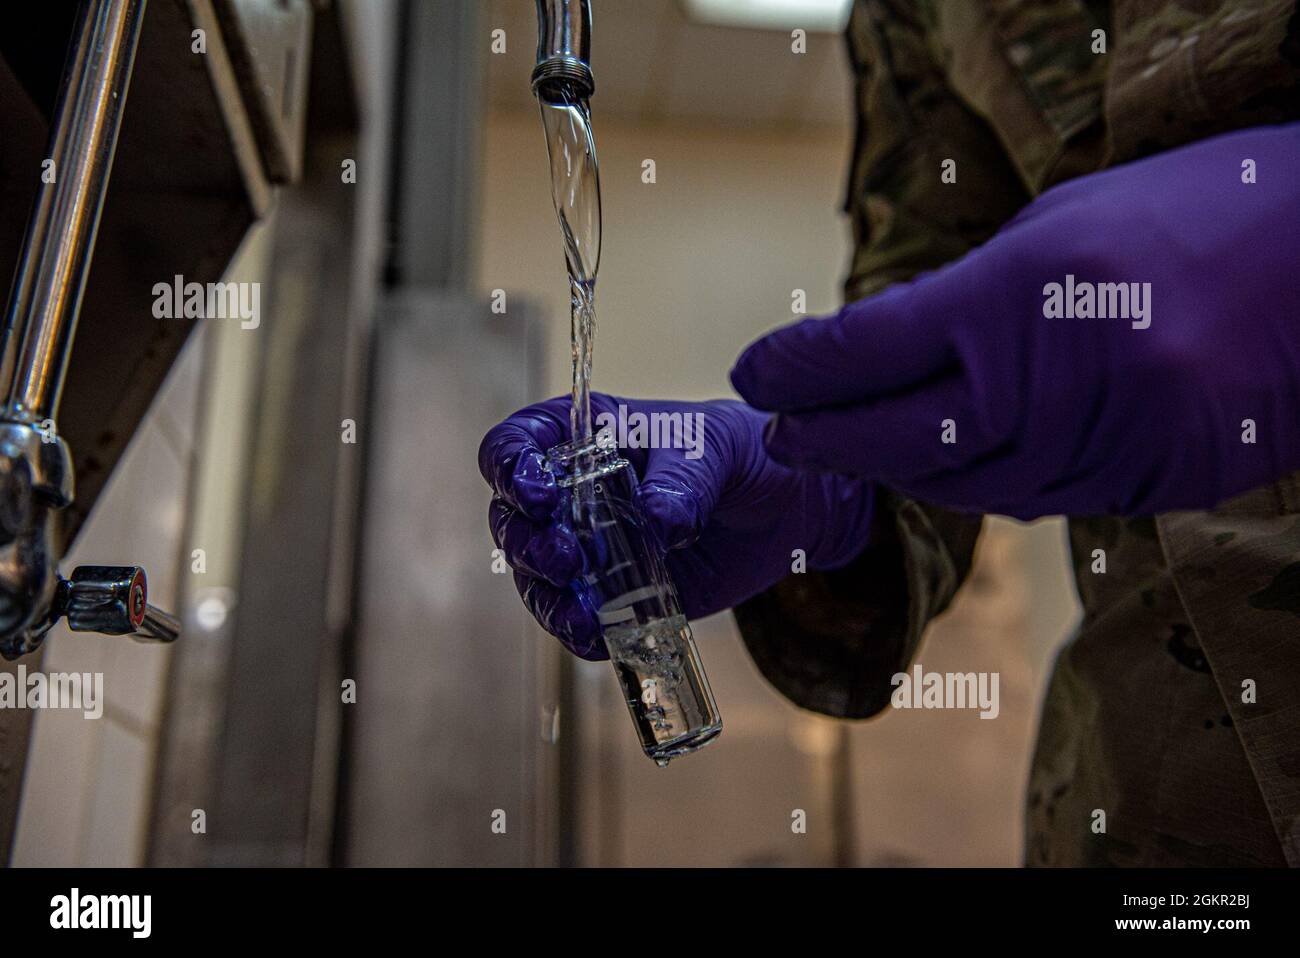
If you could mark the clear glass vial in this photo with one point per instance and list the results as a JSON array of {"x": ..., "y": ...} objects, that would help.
[{"x": 624, "y": 577}]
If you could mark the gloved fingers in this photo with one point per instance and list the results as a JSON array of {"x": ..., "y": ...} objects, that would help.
[
  {"x": 887, "y": 342},
  {"x": 512, "y": 460},
  {"x": 896, "y": 440},
  {"x": 679, "y": 490},
  {"x": 545, "y": 550},
  {"x": 1006, "y": 483},
  {"x": 673, "y": 510},
  {"x": 980, "y": 491},
  {"x": 563, "y": 614}
]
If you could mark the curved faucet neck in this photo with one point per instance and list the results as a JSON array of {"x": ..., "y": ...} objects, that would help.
[{"x": 563, "y": 70}]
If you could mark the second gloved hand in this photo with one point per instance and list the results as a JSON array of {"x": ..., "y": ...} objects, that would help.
[
  {"x": 1128, "y": 344},
  {"x": 729, "y": 516}
]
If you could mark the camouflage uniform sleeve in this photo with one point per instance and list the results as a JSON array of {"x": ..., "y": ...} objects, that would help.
[{"x": 831, "y": 641}]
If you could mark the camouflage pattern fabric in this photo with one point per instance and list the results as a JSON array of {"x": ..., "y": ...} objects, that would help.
[{"x": 1176, "y": 708}]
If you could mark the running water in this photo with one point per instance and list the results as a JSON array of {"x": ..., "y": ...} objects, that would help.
[
  {"x": 648, "y": 639},
  {"x": 575, "y": 188}
]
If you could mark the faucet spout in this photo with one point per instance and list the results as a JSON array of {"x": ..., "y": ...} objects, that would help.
[{"x": 563, "y": 70}]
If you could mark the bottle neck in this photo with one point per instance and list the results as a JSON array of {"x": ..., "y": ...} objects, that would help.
[{"x": 577, "y": 462}]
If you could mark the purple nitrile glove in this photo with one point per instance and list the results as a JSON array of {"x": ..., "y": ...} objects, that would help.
[
  {"x": 1045, "y": 410},
  {"x": 729, "y": 516}
]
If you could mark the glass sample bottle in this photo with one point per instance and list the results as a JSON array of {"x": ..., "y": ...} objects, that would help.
[{"x": 625, "y": 579}]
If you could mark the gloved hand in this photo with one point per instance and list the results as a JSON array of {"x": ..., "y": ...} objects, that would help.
[
  {"x": 730, "y": 517},
  {"x": 1129, "y": 414}
]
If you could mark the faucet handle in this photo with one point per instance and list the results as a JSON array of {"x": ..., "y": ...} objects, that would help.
[
  {"x": 158, "y": 626},
  {"x": 113, "y": 600}
]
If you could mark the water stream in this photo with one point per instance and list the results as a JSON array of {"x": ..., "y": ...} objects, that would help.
[{"x": 575, "y": 188}]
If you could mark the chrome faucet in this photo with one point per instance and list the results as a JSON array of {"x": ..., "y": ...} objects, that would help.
[
  {"x": 36, "y": 475},
  {"x": 563, "y": 68}
]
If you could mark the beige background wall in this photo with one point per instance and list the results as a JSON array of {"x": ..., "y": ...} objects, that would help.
[{"x": 693, "y": 266}]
